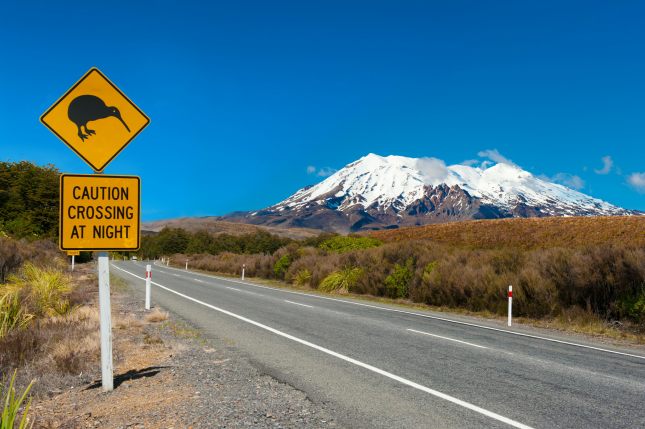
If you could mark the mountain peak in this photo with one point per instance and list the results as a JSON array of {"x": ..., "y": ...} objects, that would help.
[{"x": 389, "y": 191}]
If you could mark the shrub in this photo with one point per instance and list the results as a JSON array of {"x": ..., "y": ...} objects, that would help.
[
  {"x": 341, "y": 281},
  {"x": 12, "y": 314},
  {"x": 398, "y": 282},
  {"x": 10, "y": 257},
  {"x": 302, "y": 277},
  {"x": 281, "y": 266},
  {"x": 342, "y": 243},
  {"x": 47, "y": 288}
]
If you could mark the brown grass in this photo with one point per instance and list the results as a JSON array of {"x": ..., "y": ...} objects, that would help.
[
  {"x": 156, "y": 316},
  {"x": 528, "y": 233}
]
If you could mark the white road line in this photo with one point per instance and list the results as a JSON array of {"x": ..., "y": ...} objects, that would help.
[
  {"x": 297, "y": 303},
  {"x": 371, "y": 368},
  {"x": 427, "y": 316},
  {"x": 446, "y": 338},
  {"x": 198, "y": 280},
  {"x": 242, "y": 290}
]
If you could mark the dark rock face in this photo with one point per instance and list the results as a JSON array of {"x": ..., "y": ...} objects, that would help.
[{"x": 438, "y": 204}]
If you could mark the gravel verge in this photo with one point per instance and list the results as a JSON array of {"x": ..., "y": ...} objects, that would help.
[{"x": 168, "y": 375}]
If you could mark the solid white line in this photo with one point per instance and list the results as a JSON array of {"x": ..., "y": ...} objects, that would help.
[
  {"x": 297, "y": 303},
  {"x": 446, "y": 338},
  {"x": 427, "y": 316},
  {"x": 374, "y": 369},
  {"x": 198, "y": 280}
]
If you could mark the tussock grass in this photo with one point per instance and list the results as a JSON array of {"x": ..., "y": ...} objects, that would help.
[
  {"x": 156, "y": 316},
  {"x": 34, "y": 293}
]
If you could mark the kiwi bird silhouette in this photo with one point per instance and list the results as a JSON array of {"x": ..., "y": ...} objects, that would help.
[{"x": 86, "y": 108}]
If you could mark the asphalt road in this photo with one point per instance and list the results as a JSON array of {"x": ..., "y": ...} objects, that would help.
[{"x": 383, "y": 366}]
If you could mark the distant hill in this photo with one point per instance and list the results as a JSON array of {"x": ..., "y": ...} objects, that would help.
[
  {"x": 377, "y": 192},
  {"x": 529, "y": 233},
  {"x": 216, "y": 226}
]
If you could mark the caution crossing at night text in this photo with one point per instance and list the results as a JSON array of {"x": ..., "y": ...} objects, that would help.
[{"x": 99, "y": 212}]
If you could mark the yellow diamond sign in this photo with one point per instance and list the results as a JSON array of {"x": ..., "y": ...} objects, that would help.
[{"x": 95, "y": 119}]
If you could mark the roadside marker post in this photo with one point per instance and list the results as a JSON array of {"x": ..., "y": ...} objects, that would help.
[
  {"x": 148, "y": 281},
  {"x": 186, "y": 265},
  {"x": 510, "y": 304},
  {"x": 98, "y": 212},
  {"x": 243, "y": 268},
  {"x": 73, "y": 256}
]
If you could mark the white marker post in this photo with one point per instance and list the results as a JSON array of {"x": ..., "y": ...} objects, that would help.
[
  {"x": 510, "y": 304},
  {"x": 73, "y": 262},
  {"x": 243, "y": 267},
  {"x": 105, "y": 322},
  {"x": 148, "y": 281},
  {"x": 186, "y": 265}
]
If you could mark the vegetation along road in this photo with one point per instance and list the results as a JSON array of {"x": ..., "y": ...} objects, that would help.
[{"x": 381, "y": 366}]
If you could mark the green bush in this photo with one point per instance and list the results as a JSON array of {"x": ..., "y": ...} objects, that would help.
[
  {"x": 281, "y": 266},
  {"x": 346, "y": 243},
  {"x": 341, "y": 281},
  {"x": 397, "y": 284}
]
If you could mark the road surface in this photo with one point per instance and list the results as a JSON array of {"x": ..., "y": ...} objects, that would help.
[{"x": 375, "y": 365}]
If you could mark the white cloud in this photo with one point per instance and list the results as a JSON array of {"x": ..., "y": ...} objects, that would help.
[
  {"x": 570, "y": 180},
  {"x": 434, "y": 170},
  {"x": 494, "y": 155},
  {"x": 607, "y": 164},
  {"x": 326, "y": 171},
  {"x": 637, "y": 181},
  {"x": 321, "y": 172}
]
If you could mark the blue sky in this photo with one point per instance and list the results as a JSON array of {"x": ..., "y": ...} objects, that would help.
[{"x": 250, "y": 101}]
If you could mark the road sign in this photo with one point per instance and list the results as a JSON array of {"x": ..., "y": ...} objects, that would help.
[
  {"x": 95, "y": 119},
  {"x": 99, "y": 212}
]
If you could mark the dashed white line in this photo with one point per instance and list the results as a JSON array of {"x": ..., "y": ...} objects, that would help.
[
  {"x": 242, "y": 290},
  {"x": 446, "y": 338},
  {"x": 356, "y": 362},
  {"x": 297, "y": 303},
  {"x": 428, "y": 316},
  {"x": 198, "y": 280}
]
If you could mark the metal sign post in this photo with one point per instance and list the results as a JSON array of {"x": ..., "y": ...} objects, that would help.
[{"x": 105, "y": 322}]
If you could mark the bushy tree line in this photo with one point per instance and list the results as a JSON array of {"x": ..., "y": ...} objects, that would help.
[
  {"x": 28, "y": 200},
  {"x": 176, "y": 240}
]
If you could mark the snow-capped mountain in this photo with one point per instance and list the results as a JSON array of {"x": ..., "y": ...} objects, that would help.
[{"x": 393, "y": 191}]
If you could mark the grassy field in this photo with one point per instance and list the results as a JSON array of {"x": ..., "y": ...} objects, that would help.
[{"x": 531, "y": 233}]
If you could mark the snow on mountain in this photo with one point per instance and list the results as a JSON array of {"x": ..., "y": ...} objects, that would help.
[
  {"x": 392, "y": 191},
  {"x": 397, "y": 182}
]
